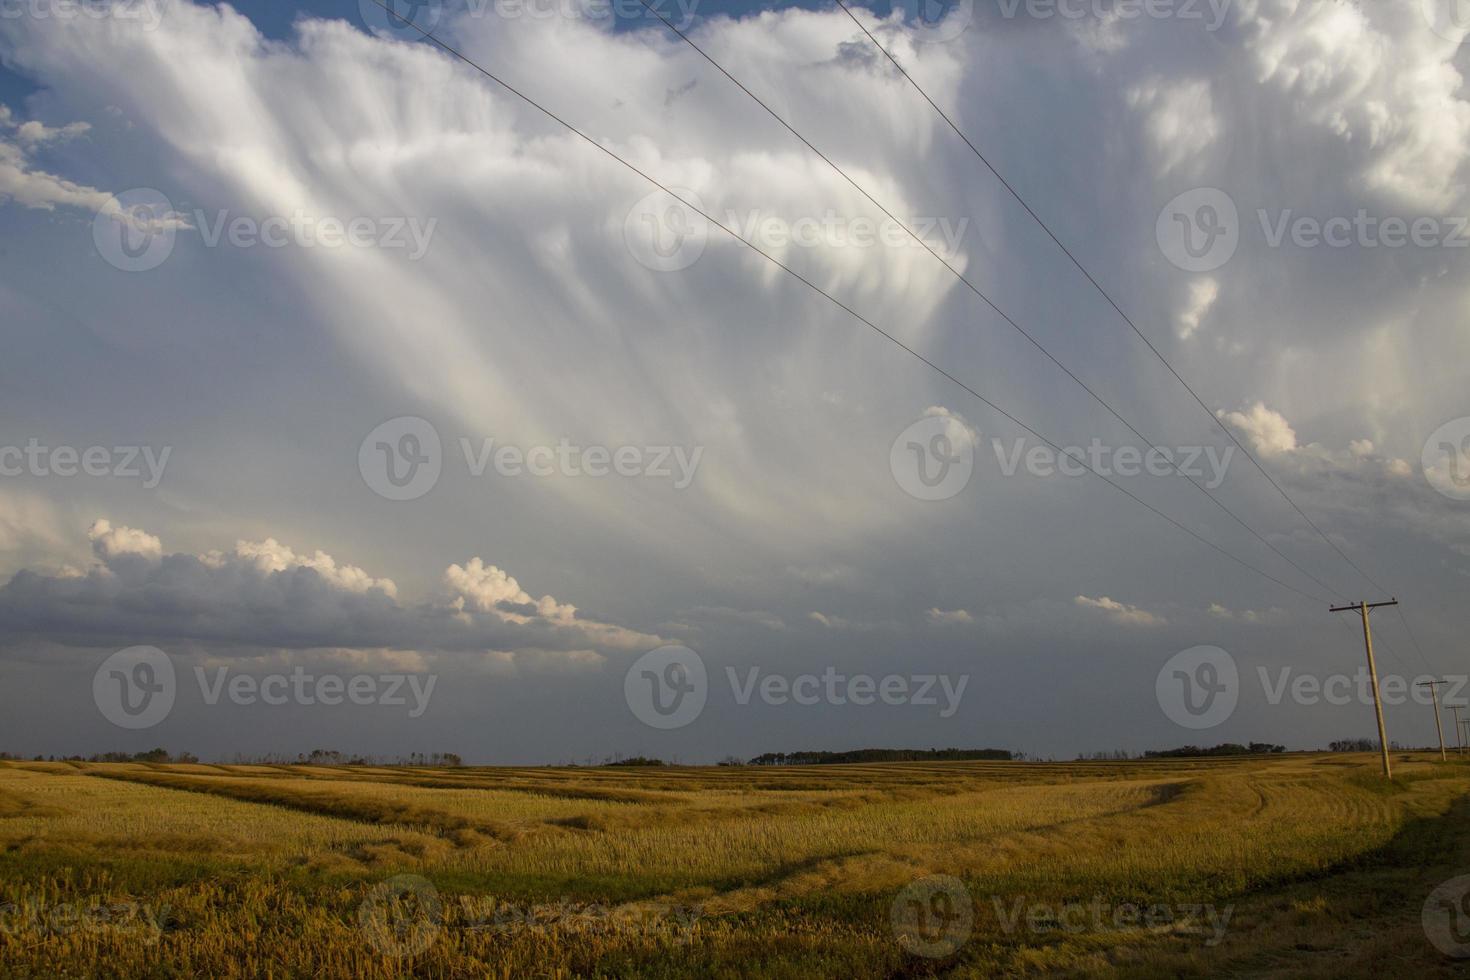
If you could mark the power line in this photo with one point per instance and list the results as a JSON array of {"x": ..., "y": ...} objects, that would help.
[
  {"x": 683, "y": 35},
  {"x": 836, "y": 302},
  {"x": 1412, "y": 638},
  {"x": 1103, "y": 292},
  {"x": 975, "y": 289},
  {"x": 1126, "y": 318}
]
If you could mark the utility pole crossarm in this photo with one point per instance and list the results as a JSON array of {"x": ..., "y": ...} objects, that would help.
[{"x": 1357, "y": 606}]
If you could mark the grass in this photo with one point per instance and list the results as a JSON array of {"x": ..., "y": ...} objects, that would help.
[{"x": 1300, "y": 865}]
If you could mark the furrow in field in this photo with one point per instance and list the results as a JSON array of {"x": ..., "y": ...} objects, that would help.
[
  {"x": 82, "y": 818},
  {"x": 458, "y": 828}
]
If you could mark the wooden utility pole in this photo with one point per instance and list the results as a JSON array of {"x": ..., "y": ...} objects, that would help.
[
  {"x": 1434, "y": 696},
  {"x": 1363, "y": 608}
]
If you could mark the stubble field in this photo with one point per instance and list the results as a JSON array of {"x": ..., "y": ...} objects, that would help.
[{"x": 1300, "y": 865}]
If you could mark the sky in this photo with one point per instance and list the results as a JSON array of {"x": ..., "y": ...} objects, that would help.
[{"x": 327, "y": 356}]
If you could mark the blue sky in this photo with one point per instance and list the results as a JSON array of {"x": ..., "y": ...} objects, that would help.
[{"x": 356, "y": 251}]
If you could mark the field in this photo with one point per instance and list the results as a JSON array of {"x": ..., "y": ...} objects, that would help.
[{"x": 1297, "y": 865}]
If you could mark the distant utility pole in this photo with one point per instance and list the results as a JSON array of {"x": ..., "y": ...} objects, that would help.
[
  {"x": 1434, "y": 696},
  {"x": 1363, "y": 608},
  {"x": 1459, "y": 732}
]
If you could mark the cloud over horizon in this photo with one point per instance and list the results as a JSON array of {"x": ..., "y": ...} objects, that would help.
[{"x": 537, "y": 314}]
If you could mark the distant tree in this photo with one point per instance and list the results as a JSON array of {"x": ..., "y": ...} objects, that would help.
[
  {"x": 1354, "y": 745},
  {"x": 1224, "y": 748},
  {"x": 877, "y": 755},
  {"x": 1371, "y": 745},
  {"x": 152, "y": 755}
]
